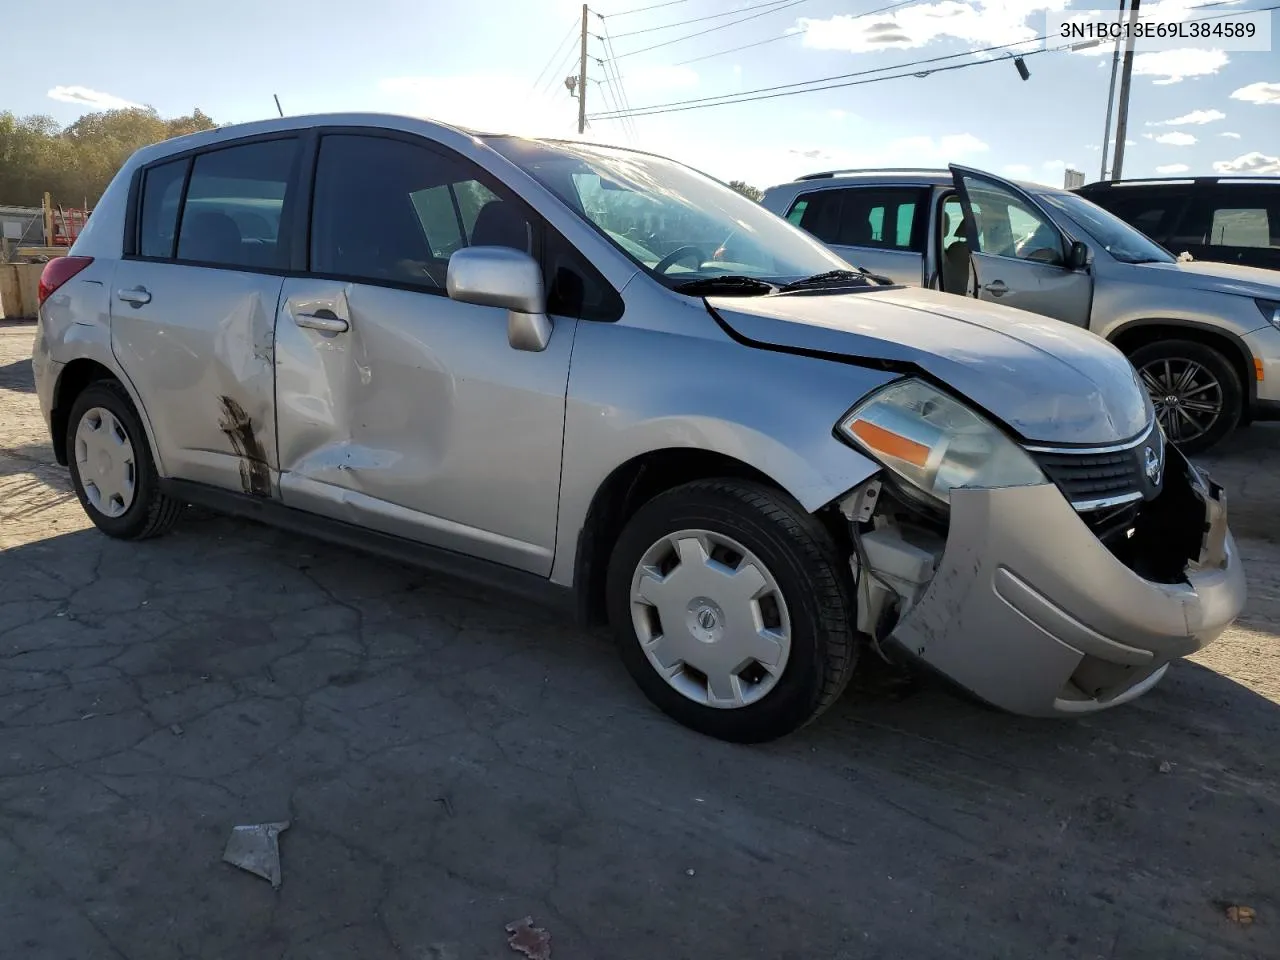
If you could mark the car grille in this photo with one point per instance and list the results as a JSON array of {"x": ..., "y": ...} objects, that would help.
[{"x": 1103, "y": 479}]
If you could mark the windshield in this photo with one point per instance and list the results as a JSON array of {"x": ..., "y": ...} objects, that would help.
[
  {"x": 1110, "y": 232},
  {"x": 677, "y": 224}
]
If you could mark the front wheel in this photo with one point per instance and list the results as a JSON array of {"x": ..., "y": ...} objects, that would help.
[
  {"x": 1195, "y": 390},
  {"x": 732, "y": 609}
]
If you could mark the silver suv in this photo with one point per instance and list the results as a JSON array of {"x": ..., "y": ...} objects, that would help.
[
  {"x": 596, "y": 375},
  {"x": 1205, "y": 337}
]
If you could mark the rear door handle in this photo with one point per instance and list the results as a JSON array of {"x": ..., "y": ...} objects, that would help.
[
  {"x": 996, "y": 288},
  {"x": 137, "y": 296},
  {"x": 324, "y": 320}
]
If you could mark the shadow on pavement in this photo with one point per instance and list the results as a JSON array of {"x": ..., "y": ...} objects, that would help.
[
  {"x": 18, "y": 376},
  {"x": 452, "y": 760}
]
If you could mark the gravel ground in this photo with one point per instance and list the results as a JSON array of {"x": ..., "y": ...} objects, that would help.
[{"x": 452, "y": 761}]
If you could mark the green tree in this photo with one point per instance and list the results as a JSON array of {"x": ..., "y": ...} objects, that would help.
[
  {"x": 748, "y": 191},
  {"x": 75, "y": 164}
]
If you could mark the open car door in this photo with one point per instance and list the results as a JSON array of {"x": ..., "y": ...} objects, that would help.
[{"x": 1021, "y": 257}]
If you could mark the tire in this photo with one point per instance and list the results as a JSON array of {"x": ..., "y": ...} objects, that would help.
[
  {"x": 806, "y": 597},
  {"x": 147, "y": 512},
  {"x": 1150, "y": 362}
]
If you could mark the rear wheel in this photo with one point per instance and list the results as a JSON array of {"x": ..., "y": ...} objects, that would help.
[
  {"x": 111, "y": 465},
  {"x": 732, "y": 610},
  {"x": 1196, "y": 392}
]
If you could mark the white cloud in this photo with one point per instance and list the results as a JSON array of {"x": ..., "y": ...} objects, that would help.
[
  {"x": 776, "y": 164},
  {"x": 1175, "y": 139},
  {"x": 1194, "y": 117},
  {"x": 1229, "y": 135},
  {"x": 1174, "y": 66},
  {"x": 1171, "y": 168},
  {"x": 92, "y": 98},
  {"x": 1017, "y": 170},
  {"x": 983, "y": 23},
  {"x": 1259, "y": 92},
  {"x": 1249, "y": 163}
]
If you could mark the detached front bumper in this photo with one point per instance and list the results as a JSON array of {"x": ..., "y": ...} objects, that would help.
[{"x": 1032, "y": 613}]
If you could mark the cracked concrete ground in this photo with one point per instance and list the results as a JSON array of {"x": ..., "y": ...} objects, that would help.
[{"x": 453, "y": 760}]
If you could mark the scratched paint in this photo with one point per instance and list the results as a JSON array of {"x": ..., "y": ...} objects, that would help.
[{"x": 255, "y": 474}]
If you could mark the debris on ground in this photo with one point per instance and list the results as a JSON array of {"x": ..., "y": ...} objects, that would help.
[
  {"x": 1242, "y": 915},
  {"x": 689, "y": 872},
  {"x": 524, "y": 937},
  {"x": 175, "y": 729},
  {"x": 255, "y": 847},
  {"x": 1165, "y": 766}
]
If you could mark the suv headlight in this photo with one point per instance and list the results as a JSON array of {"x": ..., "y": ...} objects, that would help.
[
  {"x": 1271, "y": 310},
  {"x": 935, "y": 443}
]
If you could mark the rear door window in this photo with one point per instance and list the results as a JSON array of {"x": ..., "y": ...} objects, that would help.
[
  {"x": 235, "y": 204},
  {"x": 883, "y": 219},
  {"x": 161, "y": 199},
  {"x": 819, "y": 214}
]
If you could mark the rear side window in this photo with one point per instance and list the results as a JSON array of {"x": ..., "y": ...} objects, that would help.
[
  {"x": 161, "y": 198},
  {"x": 235, "y": 205},
  {"x": 819, "y": 214},
  {"x": 882, "y": 219},
  {"x": 1241, "y": 227}
]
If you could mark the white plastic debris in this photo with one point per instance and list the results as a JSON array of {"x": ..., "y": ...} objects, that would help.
[{"x": 255, "y": 847}]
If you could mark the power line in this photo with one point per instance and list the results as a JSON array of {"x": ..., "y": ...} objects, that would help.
[
  {"x": 655, "y": 6},
  {"x": 797, "y": 33},
  {"x": 607, "y": 41},
  {"x": 844, "y": 76},
  {"x": 785, "y": 90},
  {"x": 722, "y": 26},
  {"x": 567, "y": 37},
  {"x": 711, "y": 16}
]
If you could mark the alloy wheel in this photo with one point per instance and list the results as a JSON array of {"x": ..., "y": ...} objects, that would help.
[{"x": 1188, "y": 398}]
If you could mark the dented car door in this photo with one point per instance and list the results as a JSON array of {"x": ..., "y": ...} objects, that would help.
[
  {"x": 193, "y": 305},
  {"x": 400, "y": 409}
]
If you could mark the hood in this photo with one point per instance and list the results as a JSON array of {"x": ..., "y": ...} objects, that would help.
[
  {"x": 1047, "y": 380},
  {"x": 1223, "y": 277}
]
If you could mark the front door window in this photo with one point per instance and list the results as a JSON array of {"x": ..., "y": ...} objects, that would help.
[{"x": 1008, "y": 226}]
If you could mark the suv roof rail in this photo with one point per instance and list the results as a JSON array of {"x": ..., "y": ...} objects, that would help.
[
  {"x": 1208, "y": 180},
  {"x": 832, "y": 173}
]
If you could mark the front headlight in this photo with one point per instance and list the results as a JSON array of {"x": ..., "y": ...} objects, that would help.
[
  {"x": 935, "y": 443},
  {"x": 1271, "y": 310}
]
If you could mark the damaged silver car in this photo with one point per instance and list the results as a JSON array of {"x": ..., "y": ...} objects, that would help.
[{"x": 596, "y": 375}]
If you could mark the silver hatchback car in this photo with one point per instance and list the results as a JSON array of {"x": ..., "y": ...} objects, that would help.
[{"x": 597, "y": 375}]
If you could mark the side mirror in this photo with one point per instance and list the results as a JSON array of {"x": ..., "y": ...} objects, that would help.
[
  {"x": 1078, "y": 256},
  {"x": 508, "y": 278}
]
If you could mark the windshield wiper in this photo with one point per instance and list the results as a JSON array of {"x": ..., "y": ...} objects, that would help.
[
  {"x": 861, "y": 277},
  {"x": 729, "y": 285}
]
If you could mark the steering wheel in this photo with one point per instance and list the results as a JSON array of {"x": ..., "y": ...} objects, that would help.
[{"x": 675, "y": 256}]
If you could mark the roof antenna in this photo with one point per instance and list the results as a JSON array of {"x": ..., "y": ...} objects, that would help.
[{"x": 277, "y": 99}]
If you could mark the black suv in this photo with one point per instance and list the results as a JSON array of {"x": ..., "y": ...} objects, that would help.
[{"x": 1224, "y": 219}]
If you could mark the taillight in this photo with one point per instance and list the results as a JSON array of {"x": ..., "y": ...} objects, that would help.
[{"x": 57, "y": 272}]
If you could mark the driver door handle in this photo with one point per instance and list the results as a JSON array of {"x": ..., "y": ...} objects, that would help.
[
  {"x": 324, "y": 320},
  {"x": 996, "y": 288}
]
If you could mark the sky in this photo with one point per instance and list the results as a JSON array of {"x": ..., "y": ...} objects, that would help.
[{"x": 1195, "y": 110}]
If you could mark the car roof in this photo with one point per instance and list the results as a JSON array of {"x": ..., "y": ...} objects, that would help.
[
  {"x": 1156, "y": 182},
  {"x": 901, "y": 176},
  {"x": 435, "y": 129}
]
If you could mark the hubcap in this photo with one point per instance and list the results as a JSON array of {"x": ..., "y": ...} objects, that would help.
[
  {"x": 104, "y": 459},
  {"x": 1187, "y": 397},
  {"x": 711, "y": 618}
]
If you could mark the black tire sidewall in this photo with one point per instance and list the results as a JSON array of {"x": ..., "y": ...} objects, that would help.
[
  {"x": 1214, "y": 361},
  {"x": 110, "y": 396},
  {"x": 796, "y": 696}
]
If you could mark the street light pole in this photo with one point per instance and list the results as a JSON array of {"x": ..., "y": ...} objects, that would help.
[
  {"x": 1111, "y": 98},
  {"x": 1126, "y": 76}
]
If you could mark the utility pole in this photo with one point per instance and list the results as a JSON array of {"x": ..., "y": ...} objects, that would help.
[
  {"x": 582, "y": 76},
  {"x": 1126, "y": 76},
  {"x": 1111, "y": 97}
]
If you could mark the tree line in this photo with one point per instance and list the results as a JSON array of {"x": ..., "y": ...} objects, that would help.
[{"x": 75, "y": 163}]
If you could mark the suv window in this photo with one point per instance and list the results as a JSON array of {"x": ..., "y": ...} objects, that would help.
[
  {"x": 1009, "y": 227},
  {"x": 1146, "y": 212},
  {"x": 161, "y": 197},
  {"x": 233, "y": 209},
  {"x": 862, "y": 217}
]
